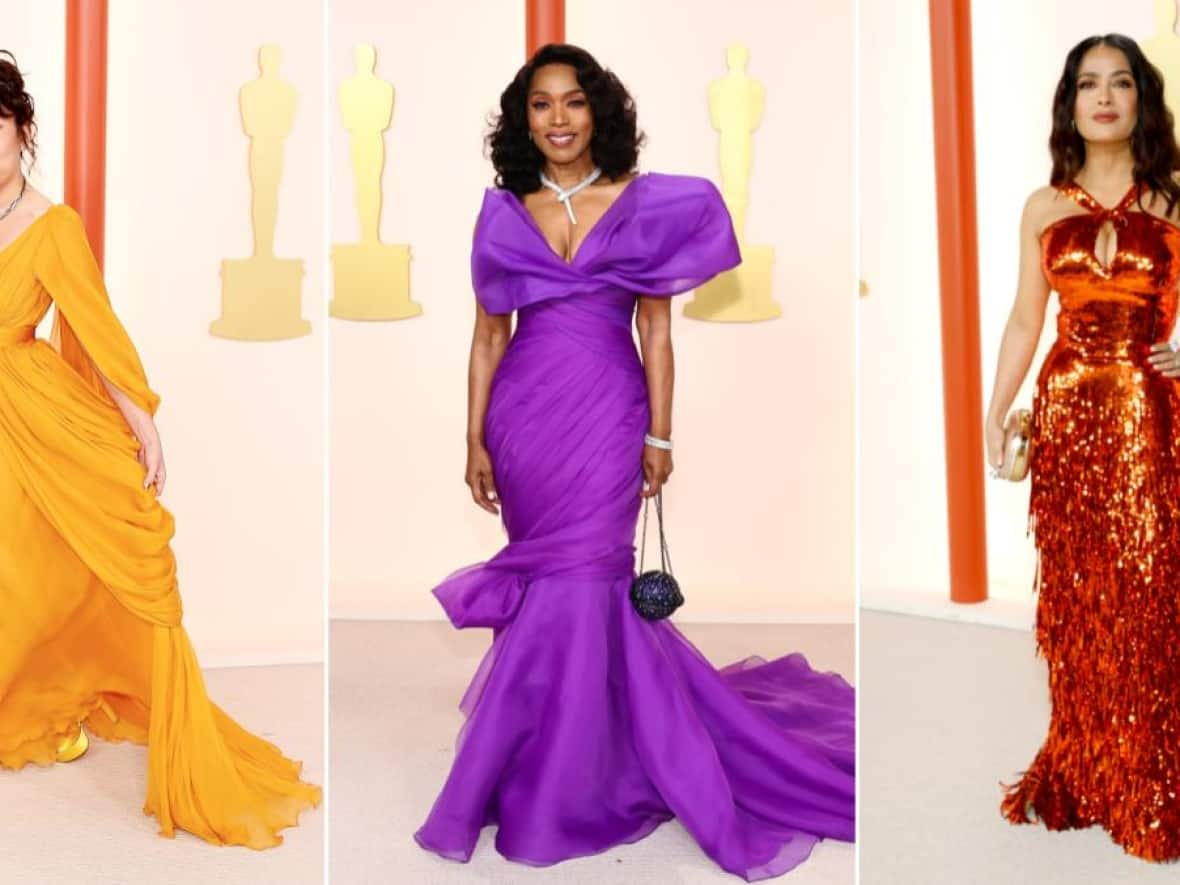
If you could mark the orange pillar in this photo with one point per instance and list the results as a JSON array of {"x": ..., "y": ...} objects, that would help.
[
  {"x": 86, "y": 115},
  {"x": 958, "y": 266},
  {"x": 544, "y": 23}
]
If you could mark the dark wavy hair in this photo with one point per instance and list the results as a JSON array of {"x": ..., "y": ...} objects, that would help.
[
  {"x": 16, "y": 104},
  {"x": 614, "y": 146},
  {"x": 1153, "y": 141}
]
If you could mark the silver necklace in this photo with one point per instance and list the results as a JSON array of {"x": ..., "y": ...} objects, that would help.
[
  {"x": 563, "y": 195},
  {"x": 23, "y": 184}
]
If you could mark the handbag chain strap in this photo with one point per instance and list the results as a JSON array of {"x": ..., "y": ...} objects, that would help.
[{"x": 665, "y": 554}]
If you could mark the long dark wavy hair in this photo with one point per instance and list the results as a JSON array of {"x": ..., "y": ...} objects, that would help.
[
  {"x": 614, "y": 146},
  {"x": 16, "y": 104},
  {"x": 1153, "y": 141}
]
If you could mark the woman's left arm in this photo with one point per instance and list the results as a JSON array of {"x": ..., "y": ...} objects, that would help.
[
  {"x": 143, "y": 426},
  {"x": 91, "y": 339},
  {"x": 653, "y": 319}
]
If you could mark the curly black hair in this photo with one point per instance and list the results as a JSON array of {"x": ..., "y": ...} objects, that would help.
[
  {"x": 614, "y": 146},
  {"x": 16, "y": 104},
  {"x": 1153, "y": 141}
]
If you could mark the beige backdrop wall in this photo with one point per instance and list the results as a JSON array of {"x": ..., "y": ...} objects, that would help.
[
  {"x": 35, "y": 34},
  {"x": 1019, "y": 50},
  {"x": 761, "y": 506},
  {"x": 241, "y": 423}
]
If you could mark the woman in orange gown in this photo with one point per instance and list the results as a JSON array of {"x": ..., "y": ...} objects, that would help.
[
  {"x": 90, "y": 615},
  {"x": 1105, "y": 502}
]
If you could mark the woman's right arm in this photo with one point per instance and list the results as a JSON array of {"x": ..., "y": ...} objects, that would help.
[
  {"x": 488, "y": 342},
  {"x": 1023, "y": 331}
]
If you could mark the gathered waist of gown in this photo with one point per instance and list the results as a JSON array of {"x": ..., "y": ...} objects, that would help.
[
  {"x": 1110, "y": 328},
  {"x": 10, "y": 335},
  {"x": 599, "y": 325}
]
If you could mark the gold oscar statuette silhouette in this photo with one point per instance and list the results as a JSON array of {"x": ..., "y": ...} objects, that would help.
[
  {"x": 370, "y": 279},
  {"x": 261, "y": 296},
  {"x": 741, "y": 295},
  {"x": 1163, "y": 50}
]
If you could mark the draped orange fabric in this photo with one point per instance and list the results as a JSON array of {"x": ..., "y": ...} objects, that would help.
[{"x": 90, "y": 612}]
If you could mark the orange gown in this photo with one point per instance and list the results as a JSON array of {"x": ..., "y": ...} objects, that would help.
[
  {"x": 90, "y": 614},
  {"x": 1105, "y": 511}
]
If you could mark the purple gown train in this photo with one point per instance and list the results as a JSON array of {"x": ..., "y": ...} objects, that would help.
[{"x": 588, "y": 726}]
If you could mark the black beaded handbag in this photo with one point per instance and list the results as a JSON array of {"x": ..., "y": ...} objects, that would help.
[{"x": 655, "y": 594}]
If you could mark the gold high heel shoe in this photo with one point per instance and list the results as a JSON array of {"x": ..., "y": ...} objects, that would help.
[{"x": 73, "y": 747}]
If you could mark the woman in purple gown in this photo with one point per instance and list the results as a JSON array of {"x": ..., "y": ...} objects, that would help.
[{"x": 588, "y": 726}]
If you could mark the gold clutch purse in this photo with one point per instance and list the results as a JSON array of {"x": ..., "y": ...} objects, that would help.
[{"x": 1017, "y": 447}]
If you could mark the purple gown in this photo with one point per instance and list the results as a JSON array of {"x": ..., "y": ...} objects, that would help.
[{"x": 588, "y": 726}]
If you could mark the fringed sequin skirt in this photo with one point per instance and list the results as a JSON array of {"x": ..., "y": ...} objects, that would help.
[{"x": 1104, "y": 513}]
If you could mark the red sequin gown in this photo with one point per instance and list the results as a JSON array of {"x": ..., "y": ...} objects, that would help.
[{"x": 1105, "y": 511}]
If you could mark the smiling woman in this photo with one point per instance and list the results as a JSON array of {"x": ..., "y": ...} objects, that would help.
[
  {"x": 566, "y": 745},
  {"x": 1105, "y": 452}
]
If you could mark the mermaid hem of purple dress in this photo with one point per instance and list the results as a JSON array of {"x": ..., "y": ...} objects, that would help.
[
  {"x": 790, "y": 855},
  {"x": 575, "y": 746}
]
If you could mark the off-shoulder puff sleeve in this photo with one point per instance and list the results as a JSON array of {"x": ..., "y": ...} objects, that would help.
[
  {"x": 678, "y": 238},
  {"x": 86, "y": 331},
  {"x": 664, "y": 235}
]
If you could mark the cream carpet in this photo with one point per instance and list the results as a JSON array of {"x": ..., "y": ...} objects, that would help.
[
  {"x": 948, "y": 711},
  {"x": 394, "y": 690},
  {"x": 83, "y": 823}
]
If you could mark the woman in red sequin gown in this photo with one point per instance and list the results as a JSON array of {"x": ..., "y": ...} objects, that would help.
[{"x": 1105, "y": 502}]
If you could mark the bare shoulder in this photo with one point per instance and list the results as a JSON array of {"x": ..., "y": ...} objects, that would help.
[
  {"x": 1156, "y": 203},
  {"x": 537, "y": 201},
  {"x": 612, "y": 187},
  {"x": 1043, "y": 206},
  {"x": 36, "y": 203},
  {"x": 28, "y": 210},
  {"x": 1042, "y": 200}
]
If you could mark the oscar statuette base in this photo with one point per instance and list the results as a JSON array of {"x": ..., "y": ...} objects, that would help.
[
  {"x": 741, "y": 295},
  {"x": 371, "y": 281},
  {"x": 261, "y": 298}
]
